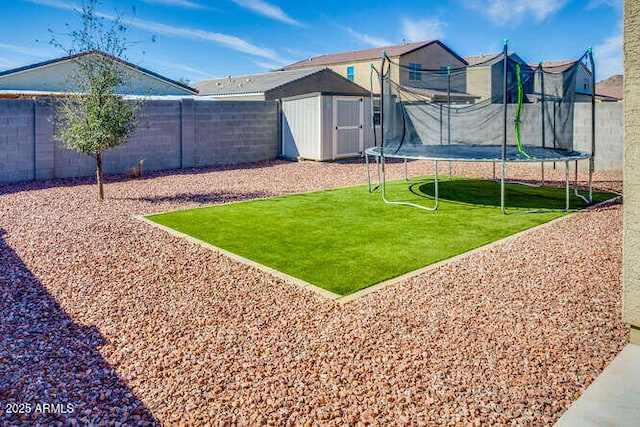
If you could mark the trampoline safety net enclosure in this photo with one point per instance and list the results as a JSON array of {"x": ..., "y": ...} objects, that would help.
[{"x": 526, "y": 117}]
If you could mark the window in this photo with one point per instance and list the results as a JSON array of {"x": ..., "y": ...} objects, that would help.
[
  {"x": 414, "y": 71},
  {"x": 350, "y": 74}
]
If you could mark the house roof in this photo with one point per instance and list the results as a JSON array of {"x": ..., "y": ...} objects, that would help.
[
  {"x": 266, "y": 82},
  {"x": 252, "y": 83},
  {"x": 441, "y": 95},
  {"x": 486, "y": 59},
  {"x": 610, "y": 91},
  {"x": 365, "y": 55},
  {"x": 613, "y": 87},
  {"x": 189, "y": 89},
  {"x": 556, "y": 66}
]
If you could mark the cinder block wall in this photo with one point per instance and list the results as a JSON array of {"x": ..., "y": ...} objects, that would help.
[
  {"x": 609, "y": 134},
  {"x": 171, "y": 134},
  {"x": 16, "y": 140},
  {"x": 229, "y": 132}
]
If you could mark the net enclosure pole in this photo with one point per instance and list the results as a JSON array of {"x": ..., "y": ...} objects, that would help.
[
  {"x": 593, "y": 121},
  {"x": 384, "y": 56},
  {"x": 541, "y": 72},
  {"x": 504, "y": 125},
  {"x": 449, "y": 111},
  {"x": 542, "y": 129}
]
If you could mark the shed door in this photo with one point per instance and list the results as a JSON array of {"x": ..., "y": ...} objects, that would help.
[{"x": 348, "y": 131}]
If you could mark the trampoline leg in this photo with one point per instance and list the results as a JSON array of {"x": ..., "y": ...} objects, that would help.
[
  {"x": 566, "y": 177},
  {"x": 366, "y": 165},
  {"x": 366, "y": 160},
  {"x": 435, "y": 182},
  {"x": 502, "y": 190},
  {"x": 587, "y": 200},
  {"x": 449, "y": 171},
  {"x": 383, "y": 180},
  {"x": 383, "y": 186},
  {"x": 542, "y": 173},
  {"x": 406, "y": 174},
  {"x": 590, "y": 182}
]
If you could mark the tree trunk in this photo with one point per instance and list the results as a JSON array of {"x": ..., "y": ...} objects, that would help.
[{"x": 99, "y": 175}]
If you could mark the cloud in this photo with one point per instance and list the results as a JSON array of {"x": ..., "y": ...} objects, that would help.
[
  {"x": 514, "y": 12},
  {"x": 368, "y": 39},
  {"x": 423, "y": 29},
  {"x": 267, "y": 65},
  {"x": 178, "y": 3},
  {"x": 608, "y": 55},
  {"x": 229, "y": 41},
  {"x": 59, "y": 4},
  {"x": 226, "y": 40},
  {"x": 37, "y": 53},
  {"x": 593, "y": 4},
  {"x": 7, "y": 64},
  {"x": 182, "y": 67},
  {"x": 270, "y": 11}
]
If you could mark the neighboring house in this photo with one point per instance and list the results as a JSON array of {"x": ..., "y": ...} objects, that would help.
[
  {"x": 485, "y": 76},
  {"x": 54, "y": 77},
  {"x": 611, "y": 89},
  {"x": 324, "y": 116},
  {"x": 279, "y": 85},
  {"x": 356, "y": 65},
  {"x": 583, "y": 84}
]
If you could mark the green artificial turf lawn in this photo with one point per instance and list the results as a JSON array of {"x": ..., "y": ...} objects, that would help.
[{"x": 347, "y": 239}]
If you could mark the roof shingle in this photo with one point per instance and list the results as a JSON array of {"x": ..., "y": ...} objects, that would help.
[{"x": 359, "y": 55}]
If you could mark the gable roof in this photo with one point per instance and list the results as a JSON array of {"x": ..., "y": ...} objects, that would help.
[
  {"x": 366, "y": 54},
  {"x": 613, "y": 87},
  {"x": 559, "y": 66},
  {"x": 251, "y": 83},
  {"x": 324, "y": 80},
  {"x": 439, "y": 95},
  {"x": 73, "y": 57},
  {"x": 487, "y": 59}
]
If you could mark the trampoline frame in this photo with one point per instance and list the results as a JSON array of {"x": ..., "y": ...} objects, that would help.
[
  {"x": 381, "y": 176},
  {"x": 380, "y": 154}
]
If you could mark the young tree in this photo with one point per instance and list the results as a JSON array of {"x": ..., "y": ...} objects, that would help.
[{"x": 94, "y": 117}]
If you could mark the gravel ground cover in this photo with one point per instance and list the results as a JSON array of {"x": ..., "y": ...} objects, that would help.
[{"x": 109, "y": 320}]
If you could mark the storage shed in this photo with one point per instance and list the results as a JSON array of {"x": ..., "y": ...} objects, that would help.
[{"x": 323, "y": 115}]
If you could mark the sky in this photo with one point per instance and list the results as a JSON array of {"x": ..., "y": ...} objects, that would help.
[{"x": 201, "y": 39}]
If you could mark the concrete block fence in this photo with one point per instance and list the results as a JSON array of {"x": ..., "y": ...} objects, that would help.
[
  {"x": 171, "y": 134},
  {"x": 609, "y": 134},
  {"x": 186, "y": 133}
]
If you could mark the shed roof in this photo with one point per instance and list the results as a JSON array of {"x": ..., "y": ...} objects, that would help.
[
  {"x": 270, "y": 82},
  {"x": 366, "y": 54}
]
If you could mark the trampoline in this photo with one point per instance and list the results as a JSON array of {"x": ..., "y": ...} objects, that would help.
[{"x": 530, "y": 120}]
